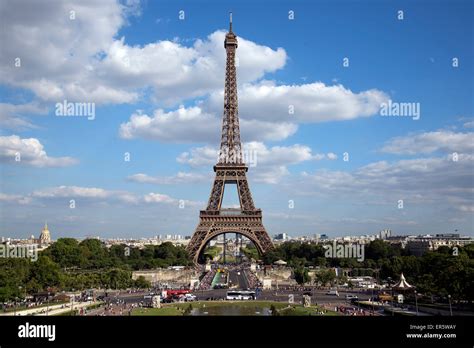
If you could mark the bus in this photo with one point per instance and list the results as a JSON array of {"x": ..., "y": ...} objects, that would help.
[{"x": 240, "y": 295}]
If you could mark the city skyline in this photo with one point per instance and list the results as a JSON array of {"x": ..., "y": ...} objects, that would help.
[{"x": 327, "y": 159}]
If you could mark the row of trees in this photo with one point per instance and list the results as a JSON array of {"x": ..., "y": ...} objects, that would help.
[
  {"x": 441, "y": 272},
  {"x": 92, "y": 254},
  {"x": 70, "y": 265},
  {"x": 311, "y": 254}
]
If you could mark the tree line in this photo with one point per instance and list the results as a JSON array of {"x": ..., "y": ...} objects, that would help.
[
  {"x": 71, "y": 265},
  {"x": 446, "y": 271}
]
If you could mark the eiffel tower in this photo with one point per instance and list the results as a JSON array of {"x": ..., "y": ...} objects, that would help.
[{"x": 230, "y": 169}]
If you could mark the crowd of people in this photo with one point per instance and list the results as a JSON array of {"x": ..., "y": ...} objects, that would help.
[
  {"x": 352, "y": 311},
  {"x": 252, "y": 279},
  {"x": 206, "y": 281}
]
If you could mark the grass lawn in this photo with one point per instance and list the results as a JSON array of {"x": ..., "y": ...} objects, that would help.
[
  {"x": 22, "y": 308},
  {"x": 302, "y": 311},
  {"x": 76, "y": 311},
  {"x": 164, "y": 311},
  {"x": 177, "y": 309}
]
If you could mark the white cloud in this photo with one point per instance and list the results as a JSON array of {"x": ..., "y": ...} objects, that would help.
[
  {"x": 30, "y": 151},
  {"x": 18, "y": 199},
  {"x": 158, "y": 198},
  {"x": 268, "y": 164},
  {"x": 422, "y": 180},
  {"x": 60, "y": 57},
  {"x": 93, "y": 194},
  {"x": 467, "y": 208},
  {"x": 185, "y": 124},
  {"x": 199, "y": 156},
  {"x": 177, "y": 72},
  {"x": 256, "y": 152},
  {"x": 469, "y": 124},
  {"x": 443, "y": 140},
  {"x": 263, "y": 112},
  {"x": 313, "y": 102},
  {"x": 71, "y": 191},
  {"x": 256, "y": 130},
  {"x": 193, "y": 125},
  {"x": 180, "y": 178},
  {"x": 12, "y": 115},
  {"x": 285, "y": 155},
  {"x": 90, "y": 193},
  {"x": 165, "y": 199},
  {"x": 82, "y": 59}
]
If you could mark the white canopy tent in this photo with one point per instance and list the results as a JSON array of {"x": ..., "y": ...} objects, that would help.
[
  {"x": 280, "y": 263},
  {"x": 402, "y": 284}
]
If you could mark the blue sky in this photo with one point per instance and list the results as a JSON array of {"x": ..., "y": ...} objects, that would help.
[{"x": 156, "y": 81}]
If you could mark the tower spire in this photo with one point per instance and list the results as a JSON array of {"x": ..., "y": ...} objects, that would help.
[{"x": 231, "y": 148}]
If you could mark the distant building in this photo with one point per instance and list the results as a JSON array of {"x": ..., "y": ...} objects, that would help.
[
  {"x": 421, "y": 244},
  {"x": 385, "y": 234},
  {"x": 45, "y": 236},
  {"x": 448, "y": 235},
  {"x": 419, "y": 247},
  {"x": 281, "y": 237}
]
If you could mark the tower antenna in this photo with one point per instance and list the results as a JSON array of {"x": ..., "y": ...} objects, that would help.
[{"x": 230, "y": 27}]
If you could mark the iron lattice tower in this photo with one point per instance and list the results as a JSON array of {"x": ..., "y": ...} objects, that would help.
[{"x": 230, "y": 169}]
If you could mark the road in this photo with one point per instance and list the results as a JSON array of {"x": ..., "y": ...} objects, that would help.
[
  {"x": 121, "y": 303},
  {"x": 238, "y": 279}
]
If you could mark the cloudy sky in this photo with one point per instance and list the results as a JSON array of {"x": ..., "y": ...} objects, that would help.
[{"x": 312, "y": 76}]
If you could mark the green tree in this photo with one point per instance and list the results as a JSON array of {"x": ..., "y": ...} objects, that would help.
[
  {"x": 326, "y": 276},
  {"x": 301, "y": 275},
  {"x": 94, "y": 254},
  {"x": 142, "y": 283},
  {"x": 377, "y": 249},
  {"x": 65, "y": 252},
  {"x": 45, "y": 273}
]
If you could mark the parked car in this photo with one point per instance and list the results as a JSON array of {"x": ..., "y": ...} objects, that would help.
[{"x": 189, "y": 297}]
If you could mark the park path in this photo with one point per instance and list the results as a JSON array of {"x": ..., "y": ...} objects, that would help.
[{"x": 53, "y": 309}]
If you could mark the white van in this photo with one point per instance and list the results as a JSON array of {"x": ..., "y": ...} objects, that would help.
[{"x": 332, "y": 292}]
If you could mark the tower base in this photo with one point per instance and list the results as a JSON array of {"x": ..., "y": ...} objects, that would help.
[{"x": 229, "y": 221}]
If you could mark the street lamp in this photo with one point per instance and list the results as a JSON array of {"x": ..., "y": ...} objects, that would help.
[
  {"x": 72, "y": 298},
  {"x": 393, "y": 310},
  {"x": 450, "y": 308},
  {"x": 19, "y": 288},
  {"x": 389, "y": 279},
  {"x": 47, "y": 307},
  {"x": 416, "y": 303},
  {"x": 373, "y": 304}
]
